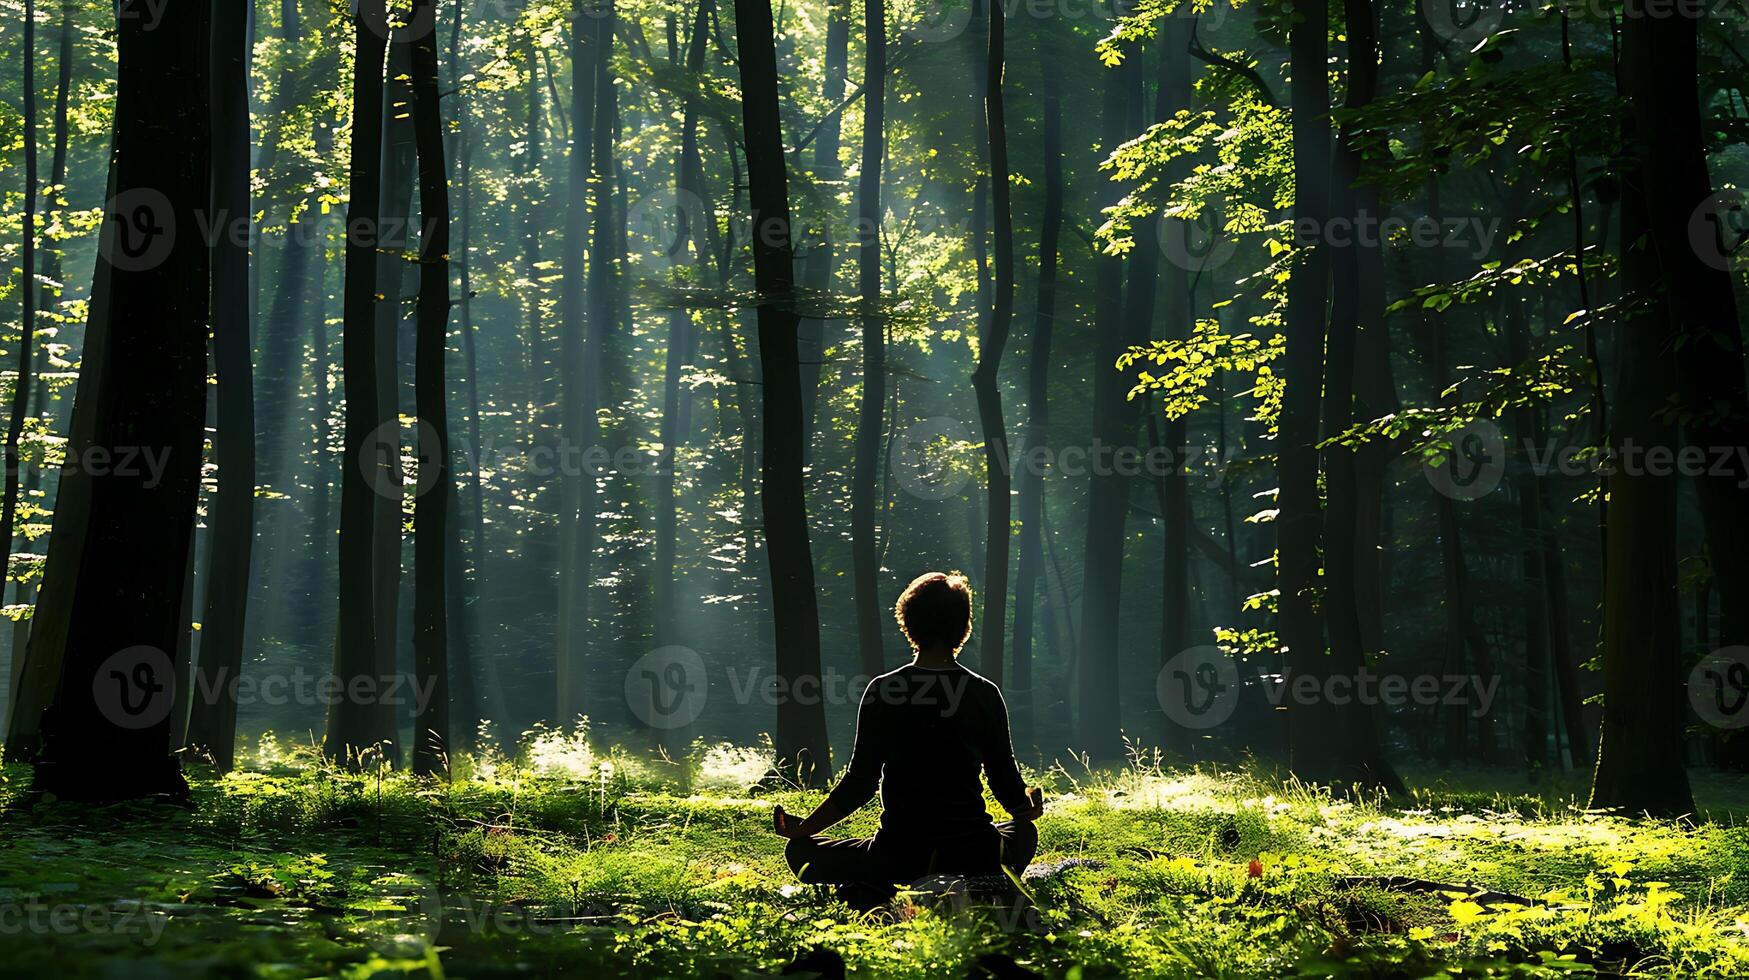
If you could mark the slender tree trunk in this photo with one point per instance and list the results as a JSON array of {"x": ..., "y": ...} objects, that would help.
[
  {"x": 1532, "y": 595},
  {"x": 213, "y": 724},
  {"x": 1299, "y": 523},
  {"x": 818, "y": 267},
  {"x": 27, "y": 302},
  {"x": 431, "y": 511},
  {"x": 1554, "y": 573},
  {"x": 673, "y": 433},
  {"x": 1465, "y": 648},
  {"x": 108, "y": 736},
  {"x": 803, "y": 752},
  {"x": 589, "y": 45},
  {"x": 351, "y": 725},
  {"x": 864, "y": 488},
  {"x": 604, "y": 251},
  {"x": 1352, "y": 750},
  {"x": 1175, "y": 80},
  {"x": 992, "y": 343},
  {"x": 1032, "y": 487},
  {"x": 1098, "y": 731}
]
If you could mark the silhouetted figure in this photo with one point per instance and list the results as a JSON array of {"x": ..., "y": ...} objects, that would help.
[{"x": 922, "y": 734}]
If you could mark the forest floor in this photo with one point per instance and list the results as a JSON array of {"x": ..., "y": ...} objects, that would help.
[{"x": 566, "y": 862}]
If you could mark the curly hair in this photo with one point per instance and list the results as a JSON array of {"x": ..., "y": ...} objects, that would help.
[{"x": 936, "y": 609}]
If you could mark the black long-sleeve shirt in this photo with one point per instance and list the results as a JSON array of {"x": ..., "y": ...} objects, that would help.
[{"x": 922, "y": 734}]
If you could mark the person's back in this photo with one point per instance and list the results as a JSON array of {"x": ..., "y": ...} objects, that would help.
[{"x": 923, "y": 733}]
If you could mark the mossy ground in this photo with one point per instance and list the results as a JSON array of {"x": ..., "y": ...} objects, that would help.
[{"x": 569, "y": 862}]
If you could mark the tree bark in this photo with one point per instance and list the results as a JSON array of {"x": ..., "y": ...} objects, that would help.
[
  {"x": 1640, "y": 753},
  {"x": 992, "y": 343},
  {"x": 803, "y": 753},
  {"x": 431, "y": 510},
  {"x": 213, "y": 723},
  {"x": 27, "y": 302},
  {"x": 351, "y": 725},
  {"x": 1351, "y": 749},
  {"x": 1098, "y": 731},
  {"x": 818, "y": 267},
  {"x": 1299, "y": 523},
  {"x": 870, "y": 421},
  {"x": 108, "y": 737},
  {"x": 1029, "y": 576},
  {"x": 1660, "y": 69},
  {"x": 591, "y": 39}
]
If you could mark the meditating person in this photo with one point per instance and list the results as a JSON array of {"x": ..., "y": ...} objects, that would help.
[{"x": 923, "y": 732}]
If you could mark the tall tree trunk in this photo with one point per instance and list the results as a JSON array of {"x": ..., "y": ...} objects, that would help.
[
  {"x": 27, "y": 303},
  {"x": 351, "y": 725},
  {"x": 394, "y": 241},
  {"x": 803, "y": 752},
  {"x": 864, "y": 487},
  {"x": 1299, "y": 522},
  {"x": 1640, "y": 753},
  {"x": 590, "y": 44},
  {"x": 36, "y": 679},
  {"x": 819, "y": 265},
  {"x": 431, "y": 510},
  {"x": 1099, "y": 733},
  {"x": 1532, "y": 595},
  {"x": 673, "y": 434},
  {"x": 1554, "y": 573},
  {"x": 1175, "y": 80},
  {"x": 1029, "y": 577},
  {"x": 1686, "y": 329},
  {"x": 604, "y": 250},
  {"x": 213, "y": 724},
  {"x": 1352, "y": 750},
  {"x": 108, "y": 736},
  {"x": 1660, "y": 69},
  {"x": 1464, "y": 646},
  {"x": 992, "y": 342}
]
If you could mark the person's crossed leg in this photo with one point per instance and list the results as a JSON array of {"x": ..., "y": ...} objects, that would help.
[{"x": 868, "y": 869}]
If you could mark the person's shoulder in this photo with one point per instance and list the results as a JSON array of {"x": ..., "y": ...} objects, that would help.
[
  {"x": 980, "y": 682},
  {"x": 879, "y": 684}
]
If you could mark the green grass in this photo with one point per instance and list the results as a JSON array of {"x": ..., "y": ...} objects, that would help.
[{"x": 566, "y": 861}]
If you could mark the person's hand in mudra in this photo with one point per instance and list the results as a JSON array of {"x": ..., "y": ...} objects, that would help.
[
  {"x": 1035, "y": 805},
  {"x": 785, "y": 825}
]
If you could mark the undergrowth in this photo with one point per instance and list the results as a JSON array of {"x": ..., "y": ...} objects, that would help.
[{"x": 567, "y": 858}]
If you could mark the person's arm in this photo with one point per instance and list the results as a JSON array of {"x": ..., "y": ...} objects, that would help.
[
  {"x": 1000, "y": 769},
  {"x": 861, "y": 778}
]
